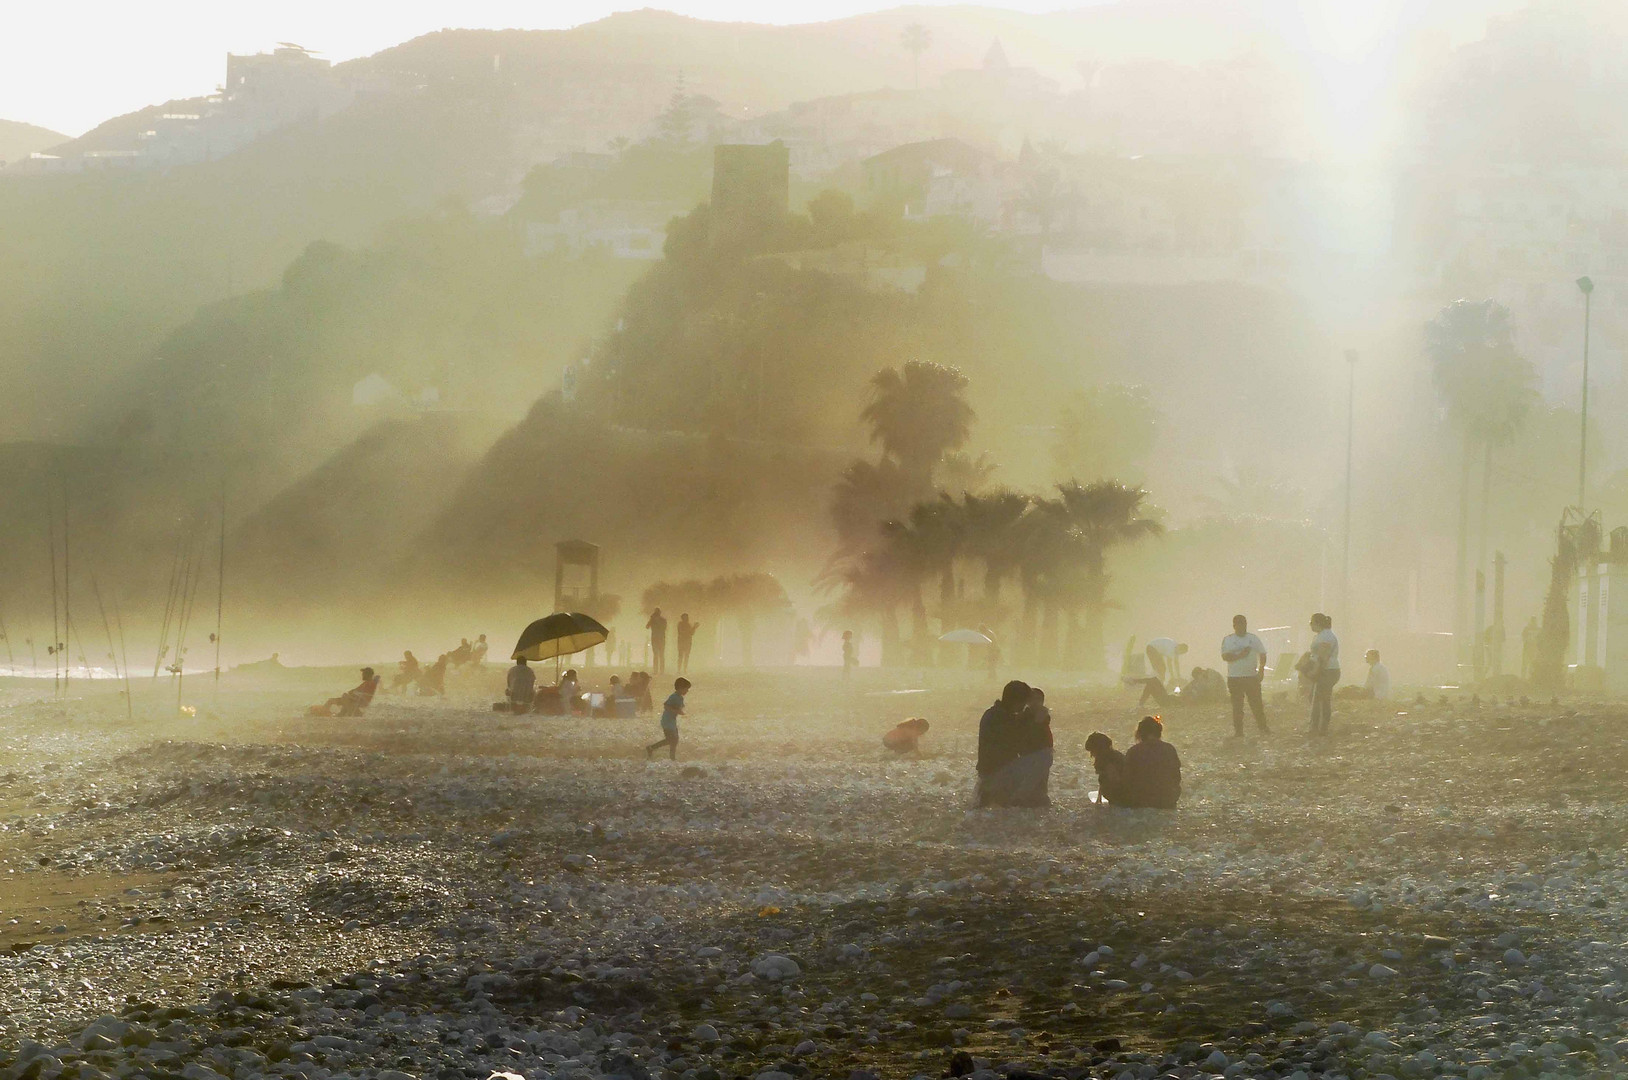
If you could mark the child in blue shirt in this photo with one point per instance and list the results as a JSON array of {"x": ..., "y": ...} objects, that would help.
[{"x": 671, "y": 710}]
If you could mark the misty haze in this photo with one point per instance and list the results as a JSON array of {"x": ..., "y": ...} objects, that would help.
[{"x": 939, "y": 542}]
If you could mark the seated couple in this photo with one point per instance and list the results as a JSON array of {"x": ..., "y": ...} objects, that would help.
[
  {"x": 1015, "y": 749},
  {"x": 1148, "y": 775}
]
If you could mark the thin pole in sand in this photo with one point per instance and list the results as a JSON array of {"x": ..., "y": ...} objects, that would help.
[
  {"x": 67, "y": 609},
  {"x": 55, "y": 648},
  {"x": 189, "y": 597},
  {"x": 101, "y": 608},
  {"x": 129, "y": 701},
  {"x": 220, "y": 583},
  {"x": 169, "y": 607},
  {"x": 11, "y": 665}
]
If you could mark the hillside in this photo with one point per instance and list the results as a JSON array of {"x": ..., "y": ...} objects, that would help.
[
  {"x": 18, "y": 140},
  {"x": 98, "y": 268}
]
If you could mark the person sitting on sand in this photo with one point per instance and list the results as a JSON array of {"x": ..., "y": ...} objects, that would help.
[
  {"x": 638, "y": 688},
  {"x": 353, "y": 701},
  {"x": 1376, "y": 687},
  {"x": 570, "y": 691},
  {"x": 460, "y": 656},
  {"x": 1152, "y": 769},
  {"x": 613, "y": 693},
  {"x": 1110, "y": 766},
  {"x": 522, "y": 686},
  {"x": 406, "y": 672},
  {"x": 1204, "y": 686},
  {"x": 432, "y": 681},
  {"x": 905, "y": 737},
  {"x": 1014, "y": 762}
]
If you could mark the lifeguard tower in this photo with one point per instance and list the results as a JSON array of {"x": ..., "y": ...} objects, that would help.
[{"x": 576, "y": 575}]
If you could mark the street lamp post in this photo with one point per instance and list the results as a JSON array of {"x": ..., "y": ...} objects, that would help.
[
  {"x": 1350, "y": 437},
  {"x": 1587, "y": 286}
]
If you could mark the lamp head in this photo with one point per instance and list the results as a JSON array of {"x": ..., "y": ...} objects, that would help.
[
  {"x": 1586, "y": 284},
  {"x": 1351, "y": 356}
]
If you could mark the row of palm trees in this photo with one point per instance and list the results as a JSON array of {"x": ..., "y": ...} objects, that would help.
[{"x": 1053, "y": 548}]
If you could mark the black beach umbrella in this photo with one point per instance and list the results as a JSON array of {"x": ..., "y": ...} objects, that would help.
[{"x": 560, "y": 634}]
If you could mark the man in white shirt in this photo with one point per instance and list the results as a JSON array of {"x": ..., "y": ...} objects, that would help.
[
  {"x": 1378, "y": 685},
  {"x": 1325, "y": 649},
  {"x": 1246, "y": 664}
]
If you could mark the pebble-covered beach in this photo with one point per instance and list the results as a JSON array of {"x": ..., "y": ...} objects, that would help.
[{"x": 438, "y": 891}]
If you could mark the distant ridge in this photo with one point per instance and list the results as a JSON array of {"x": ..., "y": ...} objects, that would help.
[{"x": 18, "y": 140}]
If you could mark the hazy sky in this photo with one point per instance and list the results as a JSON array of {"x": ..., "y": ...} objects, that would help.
[{"x": 70, "y": 65}]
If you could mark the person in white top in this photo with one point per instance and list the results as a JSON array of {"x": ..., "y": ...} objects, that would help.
[
  {"x": 1378, "y": 685},
  {"x": 1164, "y": 665},
  {"x": 1325, "y": 650},
  {"x": 1246, "y": 664}
]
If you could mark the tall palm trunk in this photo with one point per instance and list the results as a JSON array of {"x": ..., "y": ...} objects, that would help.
[
  {"x": 747, "y": 624},
  {"x": 1461, "y": 596},
  {"x": 1028, "y": 650},
  {"x": 1047, "y": 657},
  {"x": 890, "y": 636},
  {"x": 921, "y": 648}
]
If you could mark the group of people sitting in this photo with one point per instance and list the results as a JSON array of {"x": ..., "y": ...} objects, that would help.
[
  {"x": 431, "y": 681},
  {"x": 1015, "y": 749},
  {"x": 1148, "y": 775},
  {"x": 522, "y": 695}
]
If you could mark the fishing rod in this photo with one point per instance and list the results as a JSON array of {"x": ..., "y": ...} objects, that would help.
[
  {"x": 11, "y": 665},
  {"x": 220, "y": 586},
  {"x": 106, "y": 628},
  {"x": 54, "y": 649},
  {"x": 169, "y": 607},
  {"x": 67, "y": 608},
  {"x": 129, "y": 700},
  {"x": 189, "y": 599}
]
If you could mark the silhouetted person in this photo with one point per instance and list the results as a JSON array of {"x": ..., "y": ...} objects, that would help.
[
  {"x": 1378, "y": 684},
  {"x": 1164, "y": 660},
  {"x": 905, "y": 738},
  {"x": 406, "y": 673},
  {"x": 1110, "y": 766},
  {"x": 671, "y": 710},
  {"x": 1246, "y": 666},
  {"x": 658, "y": 641},
  {"x": 1325, "y": 654},
  {"x": 478, "y": 656},
  {"x": 1529, "y": 646},
  {"x": 353, "y": 701},
  {"x": 460, "y": 656},
  {"x": 432, "y": 681},
  {"x": 522, "y": 686},
  {"x": 686, "y": 636},
  {"x": 1152, "y": 769},
  {"x": 570, "y": 691},
  {"x": 850, "y": 653},
  {"x": 1014, "y": 758}
]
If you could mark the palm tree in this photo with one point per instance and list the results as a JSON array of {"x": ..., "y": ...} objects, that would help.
[
  {"x": 924, "y": 547},
  {"x": 873, "y": 586},
  {"x": 1487, "y": 388},
  {"x": 1083, "y": 524},
  {"x": 915, "y": 39},
  {"x": 748, "y": 597},
  {"x": 989, "y": 533},
  {"x": 864, "y": 497},
  {"x": 919, "y": 413}
]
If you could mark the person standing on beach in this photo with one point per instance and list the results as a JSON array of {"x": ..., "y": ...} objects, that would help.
[
  {"x": 850, "y": 654},
  {"x": 658, "y": 641},
  {"x": 1246, "y": 666},
  {"x": 671, "y": 710},
  {"x": 1325, "y": 653},
  {"x": 686, "y": 637}
]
